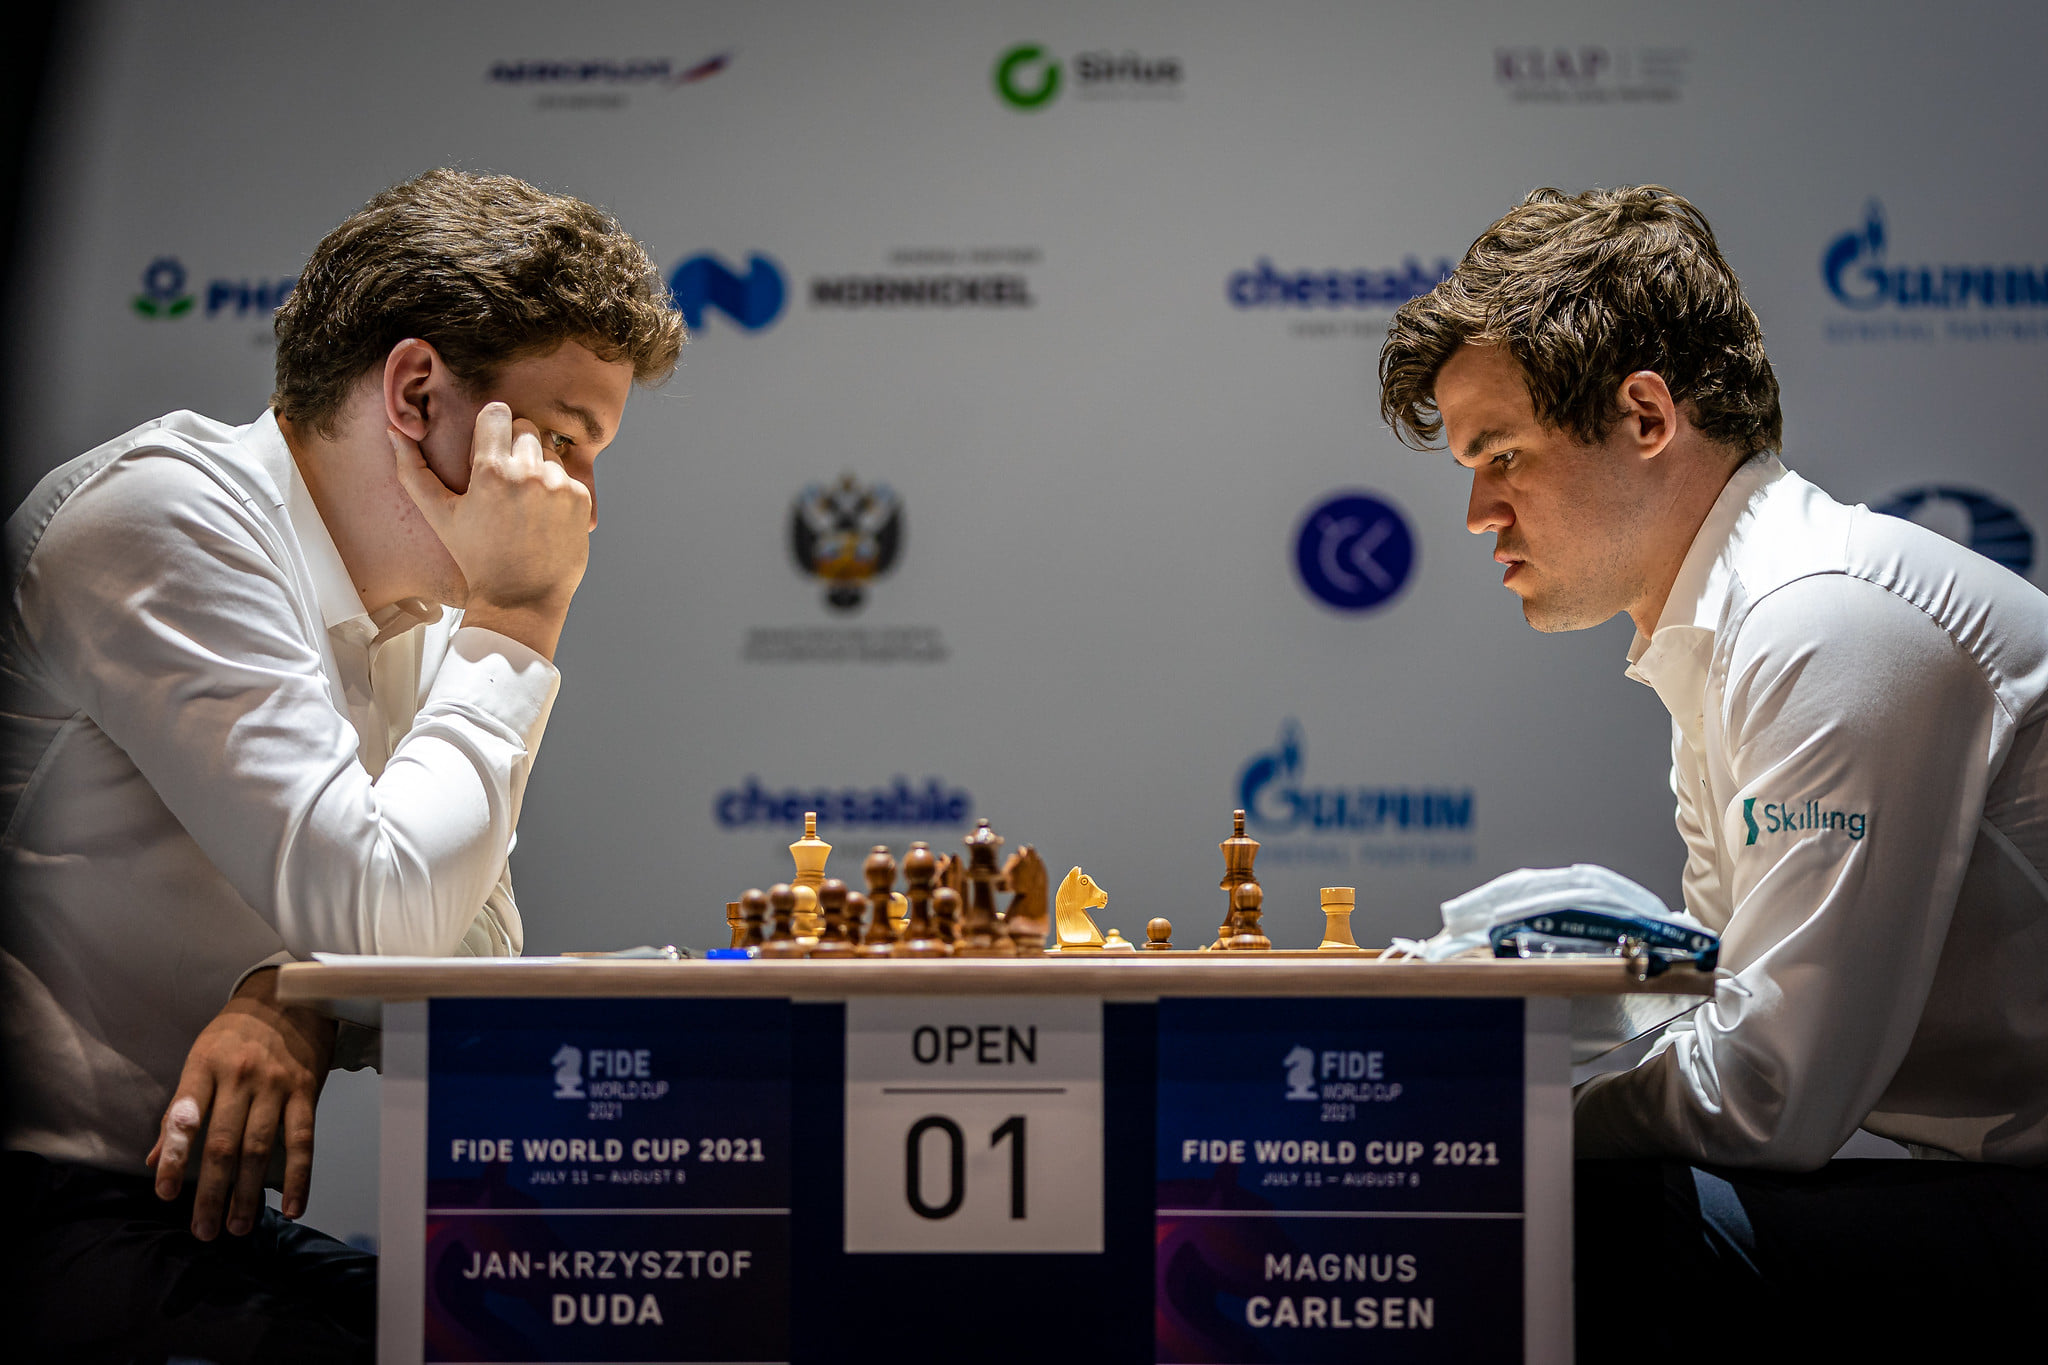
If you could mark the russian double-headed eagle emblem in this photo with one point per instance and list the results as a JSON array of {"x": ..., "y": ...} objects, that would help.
[{"x": 845, "y": 535}]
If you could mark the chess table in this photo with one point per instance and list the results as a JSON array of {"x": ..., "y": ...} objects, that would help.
[{"x": 1133, "y": 1157}]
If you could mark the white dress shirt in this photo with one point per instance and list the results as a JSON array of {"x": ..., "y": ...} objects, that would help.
[
  {"x": 1860, "y": 757},
  {"x": 211, "y": 757}
]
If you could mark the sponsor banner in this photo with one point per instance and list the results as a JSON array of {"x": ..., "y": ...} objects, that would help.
[
  {"x": 1888, "y": 299},
  {"x": 1028, "y": 77},
  {"x": 1339, "y": 1179},
  {"x": 1301, "y": 821},
  {"x": 1591, "y": 73},
  {"x": 607, "y": 1180},
  {"x": 579, "y": 83}
]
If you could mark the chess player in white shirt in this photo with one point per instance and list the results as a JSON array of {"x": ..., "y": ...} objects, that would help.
[
  {"x": 1859, "y": 756},
  {"x": 275, "y": 689}
]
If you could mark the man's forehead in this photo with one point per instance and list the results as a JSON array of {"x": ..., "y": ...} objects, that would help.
[{"x": 1483, "y": 398}]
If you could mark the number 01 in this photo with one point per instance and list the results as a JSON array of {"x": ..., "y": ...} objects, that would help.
[{"x": 1011, "y": 1128}]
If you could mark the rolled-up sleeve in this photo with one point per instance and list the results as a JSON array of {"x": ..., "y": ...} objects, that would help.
[
  {"x": 163, "y": 606},
  {"x": 1857, "y": 737}
]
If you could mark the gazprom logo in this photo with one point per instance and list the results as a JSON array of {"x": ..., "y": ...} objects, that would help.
[
  {"x": 1856, "y": 271},
  {"x": 1277, "y": 800},
  {"x": 1985, "y": 524},
  {"x": 752, "y": 300}
]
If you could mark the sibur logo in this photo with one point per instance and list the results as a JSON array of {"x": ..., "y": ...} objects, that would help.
[
  {"x": 753, "y": 300},
  {"x": 1983, "y": 523},
  {"x": 1354, "y": 552}
]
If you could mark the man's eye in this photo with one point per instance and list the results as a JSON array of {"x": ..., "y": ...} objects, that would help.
[
  {"x": 559, "y": 444},
  {"x": 1504, "y": 460}
]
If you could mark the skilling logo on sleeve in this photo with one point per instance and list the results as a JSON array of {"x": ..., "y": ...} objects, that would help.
[{"x": 1802, "y": 817}]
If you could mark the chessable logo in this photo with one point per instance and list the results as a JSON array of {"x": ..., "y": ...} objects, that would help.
[
  {"x": 1354, "y": 552},
  {"x": 752, "y": 300},
  {"x": 845, "y": 535},
  {"x": 166, "y": 294},
  {"x": 1264, "y": 286},
  {"x": 1028, "y": 77},
  {"x": 935, "y": 803},
  {"x": 1969, "y": 517}
]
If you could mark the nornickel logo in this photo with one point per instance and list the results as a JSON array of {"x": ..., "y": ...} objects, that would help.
[{"x": 752, "y": 300}]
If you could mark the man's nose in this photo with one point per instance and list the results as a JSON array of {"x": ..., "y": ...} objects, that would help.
[{"x": 1486, "y": 511}]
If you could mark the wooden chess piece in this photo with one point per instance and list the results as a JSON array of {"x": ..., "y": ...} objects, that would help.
[
  {"x": 880, "y": 871},
  {"x": 1158, "y": 936},
  {"x": 920, "y": 934},
  {"x": 1239, "y": 853},
  {"x": 754, "y": 915},
  {"x": 946, "y": 914},
  {"x": 1115, "y": 942},
  {"x": 1025, "y": 916},
  {"x": 1078, "y": 895},
  {"x": 782, "y": 940},
  {"x": 809, "y": 854},
  {"x": 1338, "y": 903},
  {"x": 1244, "y": 904},
  {"x": 734, "y": 925},
  {"x": 856, "y": 922},
  {"x": 832, "y": 940},
  {"x": 981, "y": 931},
  {"x": 949, "y": 872}
]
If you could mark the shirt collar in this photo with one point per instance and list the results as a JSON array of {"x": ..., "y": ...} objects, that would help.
[{"x": 1673, "y": 658}]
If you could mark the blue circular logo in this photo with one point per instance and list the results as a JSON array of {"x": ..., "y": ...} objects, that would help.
[
  {"x": 1995, "y": 528},
  {"x": 1354, "y": 552}
]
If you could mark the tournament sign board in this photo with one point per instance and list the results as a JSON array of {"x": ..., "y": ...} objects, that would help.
[{"x": 1343, "y": 1179}]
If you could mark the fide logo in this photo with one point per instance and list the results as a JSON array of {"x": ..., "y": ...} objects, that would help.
[
  {"x": 845, "y": 535},
  {"x": 1301, "y": 1074},
  {"x": 1354, "y": 552},
  {"x": 1983, "y": 523},
  {"x": 568, "y": 1065}
]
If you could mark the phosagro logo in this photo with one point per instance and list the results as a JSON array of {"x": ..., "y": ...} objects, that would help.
[
  {"x": 165, "y": 295},
  {"x": 1803, "y": 817},
  {"x": 1276, "y": 799},
  {"x": 1983, "y": 523},
  {"x": 1027, "y": 77},
  {"x": 753, "y": 300},
  {"x": 1857, "y": 272},
  {"x": 845, "y": 534}
]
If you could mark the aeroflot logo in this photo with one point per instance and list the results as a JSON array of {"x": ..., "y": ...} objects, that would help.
[
  {"x": 1858, "y": 275},
  {"x": 1803, "y": 817}
]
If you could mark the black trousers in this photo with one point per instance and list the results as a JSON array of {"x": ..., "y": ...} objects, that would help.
[
  {"x": 1860, "y": 1260},
  {"x": 104, "y": 1271}
]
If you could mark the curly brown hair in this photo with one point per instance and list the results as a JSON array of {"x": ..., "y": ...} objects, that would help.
[
  {"x": 488, "y": 270},
  {"x": 1584, "y": 290}
]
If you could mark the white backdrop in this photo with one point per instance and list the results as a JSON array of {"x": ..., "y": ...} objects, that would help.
[{"x": 1096, "y": 624}]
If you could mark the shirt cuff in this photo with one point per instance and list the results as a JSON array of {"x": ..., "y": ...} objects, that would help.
[{"x": 497, "y": 675}]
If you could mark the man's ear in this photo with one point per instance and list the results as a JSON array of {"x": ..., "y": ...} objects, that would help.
[
  {"x": 412, "y": 372},
  {"x": 1649, "y": 417}
]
